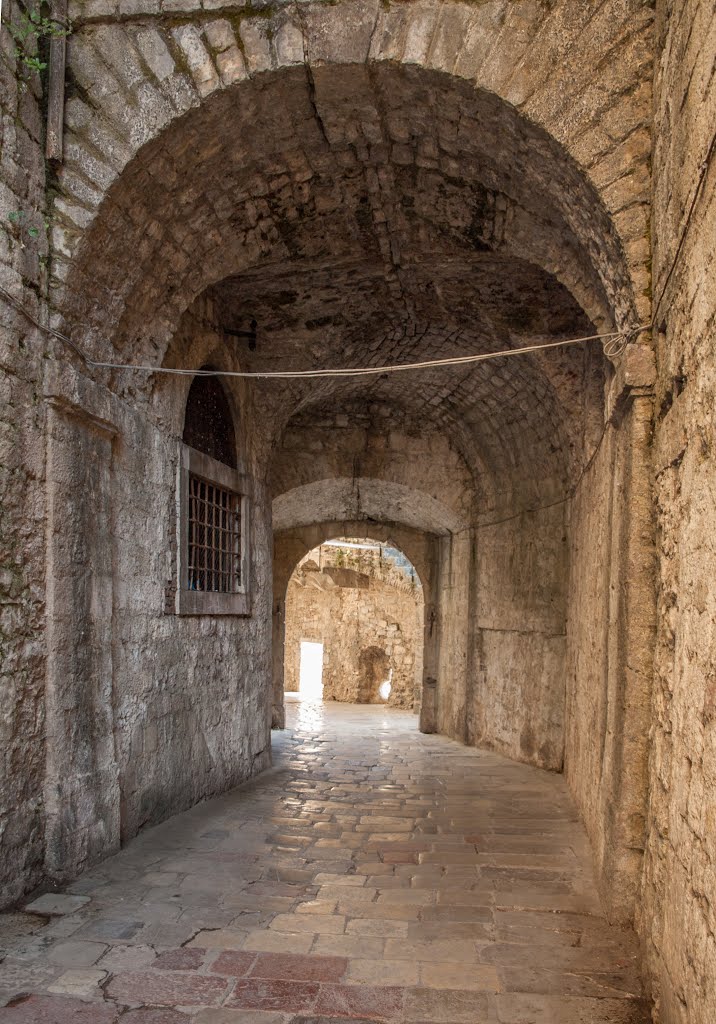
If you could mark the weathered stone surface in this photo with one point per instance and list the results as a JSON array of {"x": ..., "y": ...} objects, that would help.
[
  {"x": 59, "y": 1010},
  {"x": 77, "y": 954},
  {"x": 368, "y": 614},
  {"x": 373, "y": 184},
  {"x": 57, "y": 903},
  {"x": 83, "y": 982},
  {"x": 23, "y": 271},
  {"x": 676, "y": 915},
  {"x": 350, "y": 773}
]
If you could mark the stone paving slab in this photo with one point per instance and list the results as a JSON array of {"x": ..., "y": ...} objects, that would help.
[
  {"x": 56, "y": 903},
  {"x": 374, "y": 874}
]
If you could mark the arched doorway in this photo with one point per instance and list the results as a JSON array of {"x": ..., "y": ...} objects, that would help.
[{"x": 354, "y": 625}]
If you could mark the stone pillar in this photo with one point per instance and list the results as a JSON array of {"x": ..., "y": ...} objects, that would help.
[
  {"x": 625, "y": 620},
  {"x": 428, "y": 708},
  {"x": 632, "y": 629},
  {"x": 278, "y": 709},
  {"x": 287, "y": 553},
  {"x": 428, "y": 721}
]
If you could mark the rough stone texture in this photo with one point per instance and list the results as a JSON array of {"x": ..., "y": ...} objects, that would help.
[
  {"x": 421, "y": 548},
  {"x": 369, "y": 183},
  {"x": 502, "y": 591},
  {"x": 374, "y": 183},
  {"x": 537, "y": 58},
  {"x": 23, "y": 271},
  {"x": 368, "y": 614},
  {"x": 169, "y": 729},
  {"x": 369, "y": 460},
  {"x": 610, "y": 650},
  {"x": 677, "y": 912},
  {"x": 136, "y": 726},
  {"x": 520, "y": 611}
]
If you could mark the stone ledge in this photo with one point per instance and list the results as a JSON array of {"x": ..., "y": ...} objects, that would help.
[{"x": 635, "y": 376}]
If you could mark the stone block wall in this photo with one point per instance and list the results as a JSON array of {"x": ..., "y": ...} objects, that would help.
[
  {"x": 374, "y": 443},
  {"x": 369, "y": 619},
  {"x": 23, "y": 351},
  {"x": 610, "y": 641},
  {"x": 455, "y": 610},
  {"x": 170, "y": 712},
  {"x": 165, "y": 714},
  {"x": 502, "y": 602},
  {"x": 519, "y": 622},
  {"x": 677, "y": 912},
  {"x": 113, "y": 713}
]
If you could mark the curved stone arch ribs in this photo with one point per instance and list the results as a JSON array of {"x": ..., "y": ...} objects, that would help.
[
  {"x": 372, "y": 500},
  {"x": 158, "y": 69}
]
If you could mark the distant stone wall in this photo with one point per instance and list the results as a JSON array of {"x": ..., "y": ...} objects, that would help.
[{"x": 370, "y": 621}]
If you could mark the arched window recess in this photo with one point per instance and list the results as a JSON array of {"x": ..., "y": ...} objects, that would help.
[{"x": 214, "y": 509}]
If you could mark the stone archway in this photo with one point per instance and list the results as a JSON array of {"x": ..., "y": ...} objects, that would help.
[
  {"x": 292, "y": 544},
  {"x": 166, "y": 72},
  {"x": 205, "y": 140},
  {"x": 364, "y": 162},
  {"x": 355, "y": 598}
]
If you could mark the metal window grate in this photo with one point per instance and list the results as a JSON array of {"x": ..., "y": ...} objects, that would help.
[{"x": 214, "y": 562}]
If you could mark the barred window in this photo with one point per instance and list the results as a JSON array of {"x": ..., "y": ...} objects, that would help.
[
  {"x": 213, "y": 509},
  {"x": 214, "y": 556}
]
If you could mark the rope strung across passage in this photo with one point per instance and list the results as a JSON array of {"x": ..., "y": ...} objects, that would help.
[{"x": 614, "y": 344}]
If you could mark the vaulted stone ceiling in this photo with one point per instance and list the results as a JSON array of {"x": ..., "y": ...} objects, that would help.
[
  {"x": 310, "y": 317},
  {"x": 371, "y": 215}
]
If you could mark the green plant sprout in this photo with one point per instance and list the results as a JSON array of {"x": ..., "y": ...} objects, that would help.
[
  {"x": 18, "y": 218},
  {"x": 32, "y": 27}
]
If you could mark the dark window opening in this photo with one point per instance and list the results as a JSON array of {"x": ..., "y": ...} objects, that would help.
[{"x": 208, "y": 423}]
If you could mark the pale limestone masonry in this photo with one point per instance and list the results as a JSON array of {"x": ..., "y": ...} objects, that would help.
[
  {"x": 431, "y": 921},
  {"x": 368, "y": 614},
  {"x": 677, "y": 915},
  {"x": 373, "y": 183}
]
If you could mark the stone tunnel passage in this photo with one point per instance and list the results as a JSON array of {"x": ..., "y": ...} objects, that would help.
[
  {"x": 373, "y": 873},
  {"x": 359, "y": 214},
  {"x": 361, "y": 601},
  {"x": 368, "y": 181}
]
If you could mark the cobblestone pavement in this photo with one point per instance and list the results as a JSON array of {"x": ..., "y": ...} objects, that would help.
[{"x": 374, "y": 874}]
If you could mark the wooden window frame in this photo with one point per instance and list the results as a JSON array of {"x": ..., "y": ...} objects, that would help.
[{"x": 200, "y": 602}]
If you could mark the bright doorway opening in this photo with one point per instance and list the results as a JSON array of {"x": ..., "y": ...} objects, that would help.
[{"x": 310, "y": 679}]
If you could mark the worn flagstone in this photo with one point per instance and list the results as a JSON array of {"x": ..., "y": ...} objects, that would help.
[{"x": 372, "y": 874}]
